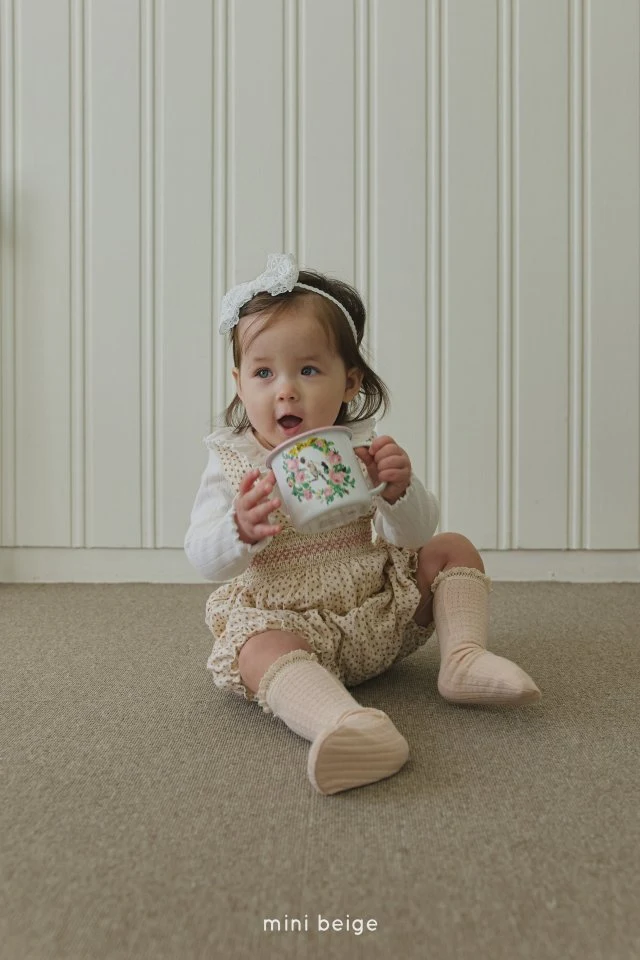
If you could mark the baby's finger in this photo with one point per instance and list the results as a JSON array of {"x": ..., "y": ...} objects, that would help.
[
  {"x": 363, "y": 453},
  {"x": 248, "y": 480},
  {"x": 267, "y": 530},
  {"x": 265, "y": 508},
  {"x": 394, "y": 462},
  {"x": 261, "y": 490},
  {"x": 259, "y": 514}
]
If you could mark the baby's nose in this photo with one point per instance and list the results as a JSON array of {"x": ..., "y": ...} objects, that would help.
[{"x": 287, "y": 392}]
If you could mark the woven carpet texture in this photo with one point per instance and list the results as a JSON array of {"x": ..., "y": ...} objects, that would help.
[{"x": 146, "y": 814}]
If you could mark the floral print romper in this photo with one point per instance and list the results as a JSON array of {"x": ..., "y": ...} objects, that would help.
[{"x": 351, "y": 594}]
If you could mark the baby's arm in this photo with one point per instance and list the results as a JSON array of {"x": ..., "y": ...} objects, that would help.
[
  {"x": 412, "y": 520},
  {"x": 212, "y": 544}
]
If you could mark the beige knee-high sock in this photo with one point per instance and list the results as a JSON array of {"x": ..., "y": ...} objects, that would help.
[
  {"x": 468, "y": 672},
  {"x": 298, "y": 690},
  {"x": 352, "y": 745}
]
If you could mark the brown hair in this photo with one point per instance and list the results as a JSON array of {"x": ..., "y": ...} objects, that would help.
[{"x": 373, "y": 393}]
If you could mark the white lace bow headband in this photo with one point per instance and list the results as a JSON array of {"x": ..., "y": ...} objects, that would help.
[{"x": 281, "y": 276}]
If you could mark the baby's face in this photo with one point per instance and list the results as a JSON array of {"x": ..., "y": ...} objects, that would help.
[{"x": 290, "y": 369}]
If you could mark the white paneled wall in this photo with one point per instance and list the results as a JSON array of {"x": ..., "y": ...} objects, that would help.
[{"x": 472, "y": 166}]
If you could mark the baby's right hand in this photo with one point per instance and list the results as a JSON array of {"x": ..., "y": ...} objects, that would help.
[{"x": 253, "y": 507}]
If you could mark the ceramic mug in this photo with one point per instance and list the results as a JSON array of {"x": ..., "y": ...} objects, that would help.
[{"x": 320, "y": 480}]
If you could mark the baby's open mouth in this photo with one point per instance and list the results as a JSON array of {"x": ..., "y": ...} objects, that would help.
[{"x": 289, "y": 421}]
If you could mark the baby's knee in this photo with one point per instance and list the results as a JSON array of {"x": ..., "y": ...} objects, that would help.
[
  {"x": 263, "y": 649},
  {"x": 272, "y": 641}
]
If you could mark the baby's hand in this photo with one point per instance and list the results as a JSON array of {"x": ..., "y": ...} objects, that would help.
[
  {"x": 253, "y": 507},
  {"x": 385, "y": 460}
]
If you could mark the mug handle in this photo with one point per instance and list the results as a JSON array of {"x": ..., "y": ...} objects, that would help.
[{"x": 374, "y": 491}]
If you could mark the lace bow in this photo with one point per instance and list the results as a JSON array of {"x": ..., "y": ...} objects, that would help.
[{"x": 279, "y": 277}]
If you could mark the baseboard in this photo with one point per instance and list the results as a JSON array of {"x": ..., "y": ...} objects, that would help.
[
  {"x": 564, "y": 566},
  {"x": 68, "y": 565}
]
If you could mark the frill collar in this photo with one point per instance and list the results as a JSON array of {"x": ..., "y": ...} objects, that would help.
[{"x": 245, "y": 443}]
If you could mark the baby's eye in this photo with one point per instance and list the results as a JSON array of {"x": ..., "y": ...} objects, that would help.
[
  {"x": 261, "y": 370},
  {"x": 309, "y": 367}
]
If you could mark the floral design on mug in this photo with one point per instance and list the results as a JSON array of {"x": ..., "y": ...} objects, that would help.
[{"x": 312, "y": 480}]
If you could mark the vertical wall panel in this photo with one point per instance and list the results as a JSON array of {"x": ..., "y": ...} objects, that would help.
[
  {"x": 113, "y": 273},
  {"x": 505, "y": 385},
  {"x": 292, "y": 13},
  {"x": 432, "y": 399},
  {"x": 7, "y": 275},
  {"x": 397, "y": 216},
  {"x": 42, "y": 302},
  {"x": 326, "y": 137},
  {"x": 362, "y": 86},
  {"x": 540, "y": 305},
  {"x": 185, "y": 259},
  {"x": 575, "y": 373},
  {"x": 151, "y": 73},
  {"x": 612, "y": 264},
  {"x": 76, "y": 248},
  {"x": 472, "y": 165},
  {"x": 470, "y": 243},
  {"x": 256, "y": 159},
  {"x": 222, "y": 384}
]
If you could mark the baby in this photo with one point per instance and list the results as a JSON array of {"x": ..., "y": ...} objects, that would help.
[{"x": 298, "y": 618}]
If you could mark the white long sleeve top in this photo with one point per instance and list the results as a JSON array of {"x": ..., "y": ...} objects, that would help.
[{"x": 213, "y": 545}]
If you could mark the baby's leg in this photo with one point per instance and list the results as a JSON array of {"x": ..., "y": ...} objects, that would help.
[
  {"x": 351, "y": 745},
  {"x": 455, "y": 589},
  {"x": 262, "y": 650}
]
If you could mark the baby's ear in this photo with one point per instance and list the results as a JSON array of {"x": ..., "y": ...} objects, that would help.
[{"x": 355, "y": 377}]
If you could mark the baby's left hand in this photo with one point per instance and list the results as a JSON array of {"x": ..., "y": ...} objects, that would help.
[{"x": 385, "y": 460}]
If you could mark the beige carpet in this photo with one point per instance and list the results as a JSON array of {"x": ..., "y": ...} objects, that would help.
[{"x": 147, "y": 815}]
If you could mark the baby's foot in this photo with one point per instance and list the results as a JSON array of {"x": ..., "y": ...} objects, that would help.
[
  {"x": 363, "y": 746},
  {"x": 470, "y": 674}
]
